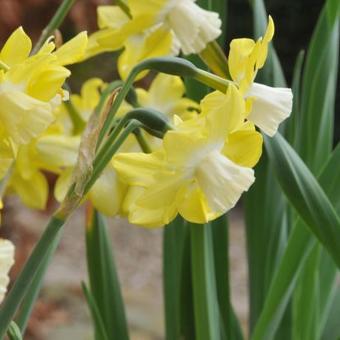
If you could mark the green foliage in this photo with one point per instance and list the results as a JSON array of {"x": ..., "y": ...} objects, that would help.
[
  {"x": 104, "y": 285},
  {"x": 299, "y": 246}
]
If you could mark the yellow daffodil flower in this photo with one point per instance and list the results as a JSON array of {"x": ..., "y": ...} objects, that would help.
[
  {"x": 60, "y": 152},
  {"x": 89, "y": 97},
  {"x": 6, "y": 262},
  {"x": 269, "y": 105},
  {"x": 155, "y": 28},
  {"x": 201, "y": 170},
  {"x": 27, "y": 179},
  {"x": 30, "y": 86},
  {"x": 166, "y": 95},
  {"x": 7, "y": 154},
  {"x": 192, "y": 27}
]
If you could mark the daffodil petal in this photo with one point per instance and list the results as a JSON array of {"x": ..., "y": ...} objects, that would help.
[
  {"x": 57, "y": 150},
  {"x": 239, "y": 54},
  {"x": 193, "y": 26},
  {"x": 108, "y": 192},
  {"x": 244, "y": 146},
  {"x": 22, "y": 116},
  {"x": 224, "y": 112},
  {"x": 73, "y": 51},
  {"x": 32, "y": 191},
  {"x": 223, "y": 181},
  {"x": 268, "y": 36},
  {"x": 90, "y": 93},
  {"x": 111, "y": 16},
  {"x": 62, "y": 184},
  {"x": 127, "y": 163},
  {"x": 156, "y": 43},
  {"x": 192, "y": 205},
  {"x": 17, "y": 48}
]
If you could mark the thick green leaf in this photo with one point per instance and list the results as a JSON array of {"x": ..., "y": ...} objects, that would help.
[
  {"x": 101, "y": 332},
  {"x": 104, "y": 281},
  {"x": 327, "y": 288},
  {"x": 332, "y": 328},
  {"x": 173, "y": 250},
  {"x": 266, "y": 234},
  {"x": 313, "y": 141},
  {"x": 305, "y": 194},
  {"x": 207, "y": 321},
  {"x": 298, "y": 248},
  {"x": 294, "y": 124},
  {"x": 28, "y": 273},
  {"x": 187, "y": 317},
  {"x": 267, "y": 231},
  {"x": 230, "y": 323},
  {"x": 306, "y": 299},
  {"x": 318, "y": 90},
  {"x": 34, "y": 289}
]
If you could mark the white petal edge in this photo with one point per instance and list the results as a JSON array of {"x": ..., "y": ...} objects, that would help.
[
  {"x": 271, "y": 106},
  {"x": 6, "y": 262},
  {"x": 223, "y": 181},
  {"x": 193, "y": 26}
]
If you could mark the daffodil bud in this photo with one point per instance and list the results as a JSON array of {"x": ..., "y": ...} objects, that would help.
[{"x": 154, "y": 122}]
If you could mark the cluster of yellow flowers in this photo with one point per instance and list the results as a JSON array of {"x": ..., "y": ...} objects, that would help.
[
  {"x": 30, "y": 91},
  {"x": 199, "y": 169},
  {"x": 153, "y": 28}
]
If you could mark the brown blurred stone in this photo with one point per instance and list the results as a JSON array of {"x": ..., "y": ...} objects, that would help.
[{"x": 34, "y": 15}]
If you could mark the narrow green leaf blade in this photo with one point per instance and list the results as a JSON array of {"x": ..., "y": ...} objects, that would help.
[
  {"x": 298, "y": 248},
  {"x": 95, "y": 313},
  {"x": 220, "y": 235},
  {"x": 332, "y": 328},
  {"x": 187, "y": 317},
  {"x": 204, "y": 286},
  {"x": 26, "y": 276},
  {"x": 305, "y": 193},
  {"x": 173, "y": 250},
  {"x": 294, "y": 123},
  {"x": 14, "y": 332},
  {"x": 104, "y": 280},
  {"x": 319, "y": 89},
  {"x": 34, "y": 289},
  {"x": 306, "y": 299}
]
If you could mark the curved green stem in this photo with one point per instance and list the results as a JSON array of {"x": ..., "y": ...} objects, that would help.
[
  {"x": 54, "y": 23},
  {"x": 168, "y": 65},
  {"x": 101, "y": 162},
  {"x": 25, "y": 278},
  {"x": 144, "y": 145}
]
